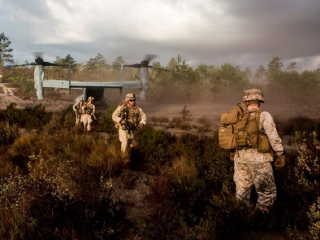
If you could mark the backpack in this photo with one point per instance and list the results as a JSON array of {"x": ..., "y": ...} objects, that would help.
[
  {"x": 241, "y": 129},
  {"x": 231, "y": 122}
]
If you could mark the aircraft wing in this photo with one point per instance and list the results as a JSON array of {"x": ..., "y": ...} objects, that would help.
[{"x": 76, "y": 84}]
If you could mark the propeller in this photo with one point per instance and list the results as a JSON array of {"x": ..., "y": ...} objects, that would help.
[
  {"x": 38, "y": 61},
  {"x": 145, "y": 63}
]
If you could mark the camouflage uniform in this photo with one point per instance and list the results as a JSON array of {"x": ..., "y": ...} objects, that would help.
[
  {"x": 136, "y": 118},
  {"x": 252, "y": 168},
  {"x": 77, "y": 108},
  {"x": 88, "y": 111}
]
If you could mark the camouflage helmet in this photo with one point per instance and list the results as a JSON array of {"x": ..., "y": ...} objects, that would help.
[
  {"x": 90, "y": 98},
  {"x": 252, "y": 94},
  {"x": 131, "y": 97}
]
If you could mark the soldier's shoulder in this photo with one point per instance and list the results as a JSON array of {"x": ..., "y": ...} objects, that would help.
[{"x": 122, "y": 104}]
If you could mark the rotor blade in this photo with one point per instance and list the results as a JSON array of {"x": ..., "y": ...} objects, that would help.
[
  {"x": 149, "y": 57},
  {"x": 161, "y": 69},
  {"x": 137, "y": 65},
  {"x": 53, "y": 64},
  {"x": 38, "y": 54},
  {"x": 20, "y": 65}
]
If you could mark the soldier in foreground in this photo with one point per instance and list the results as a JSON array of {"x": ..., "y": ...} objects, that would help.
[
  {"x": 251, "y": 167},
  {"x": 128, "y": 118},
  {"x": 88, "y": 112},
  {"x": 77, "y": 108}
]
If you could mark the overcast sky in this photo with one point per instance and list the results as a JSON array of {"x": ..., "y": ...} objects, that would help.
[{"x": 247, "y": 33}]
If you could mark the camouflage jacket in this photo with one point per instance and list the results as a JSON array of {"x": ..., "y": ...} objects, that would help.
[
  {"x": 89, "y": 109},
  {"x": 133, "y": 116}
]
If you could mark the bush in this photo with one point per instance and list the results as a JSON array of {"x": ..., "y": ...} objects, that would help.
[
  {"x": 58, "y": 200},
  {"x": 108, "y": 123}
]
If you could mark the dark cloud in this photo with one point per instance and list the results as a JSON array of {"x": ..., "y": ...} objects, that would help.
[{"x": 240, "y": 32}]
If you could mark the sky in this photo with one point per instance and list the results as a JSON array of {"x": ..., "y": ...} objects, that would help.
[{"x": 244, "y": 33}]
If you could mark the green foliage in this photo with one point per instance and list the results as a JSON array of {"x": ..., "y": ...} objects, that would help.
[
  {"x": 21, "y": 83},
  {"x": 177, "y": 83},
  {"x": 29, "y": 117},
  {"x": 5, "y": 51},
  {"x": 298, "y": 124},
  {"x": 108, "y": 123},
  {"x": 226, "y": 81},
  {"x": 66, "y": 61},
  {"x": 97, "y": 63},
  {"x": 291, "y": 86}
]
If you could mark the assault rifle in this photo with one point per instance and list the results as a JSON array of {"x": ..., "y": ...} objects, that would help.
[{"x": 125, "y": 118}]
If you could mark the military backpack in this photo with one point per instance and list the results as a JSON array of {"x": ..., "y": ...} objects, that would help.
[{"x": 240, "y": 129}]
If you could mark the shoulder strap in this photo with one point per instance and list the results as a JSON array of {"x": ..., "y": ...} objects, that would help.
[{"x": 241, "y": 109}]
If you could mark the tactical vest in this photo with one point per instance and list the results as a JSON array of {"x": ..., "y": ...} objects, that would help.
[
  {"x": 88, "y": 109},
  {"x": 131, "y": 116}
]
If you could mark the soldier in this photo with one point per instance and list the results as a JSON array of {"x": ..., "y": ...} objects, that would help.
[
  {"x": 251, "y": 167},
  {"x": 88, "y": 112},
  {"x": 128, "y": 118},
  {"x": 77, "y": 108}
]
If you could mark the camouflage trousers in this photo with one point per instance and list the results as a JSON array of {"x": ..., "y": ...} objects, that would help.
[
  {"x": 78, "y": 119},
  {"x": 86, "y": 119},
  {"x": 125, "y": 137},
  {"x": 247, "y": 175}
]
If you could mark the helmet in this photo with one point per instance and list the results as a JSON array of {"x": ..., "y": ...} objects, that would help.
[
  {"x": 81, "y": 100},
  {"x": 130, "y": 96},
  {"x": 90, "y": 98},
  {"x": 252, "y": 94}
]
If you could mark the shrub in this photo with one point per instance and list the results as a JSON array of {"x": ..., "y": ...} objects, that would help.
[
  {"x": 58, "y": 200},
  {"x": 108, "y": 123},
  {"x": 314, "y": 218},
  {"x": 8, "y": 133}
]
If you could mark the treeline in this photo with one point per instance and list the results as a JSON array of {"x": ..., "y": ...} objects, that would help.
[{"x": 179, "y": 82}]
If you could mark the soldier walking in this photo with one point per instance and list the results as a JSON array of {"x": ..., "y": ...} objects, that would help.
[
  {"x": 128, "y": 118},
  {"x": 251, "y": 167},
  {"x": 88, "y": 112},
  {"x": 77, "y": 108}
]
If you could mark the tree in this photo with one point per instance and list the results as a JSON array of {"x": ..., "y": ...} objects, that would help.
[
  {"x": 261, "y": 71},
  {"x": 292, "y": 66},
  {"x": 116, "y": 63},
  {"x": 5, "y": 51},
  {"x": 274, "y": 70},
  {"x": 97, "y": 63},
  {"x": 247, "y": 74},
  {"x": 65, "y": 61},
  {"x": 275, "y": 65}
]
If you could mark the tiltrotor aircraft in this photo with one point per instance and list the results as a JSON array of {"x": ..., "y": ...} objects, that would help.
[{"x": 94, "y": 89}]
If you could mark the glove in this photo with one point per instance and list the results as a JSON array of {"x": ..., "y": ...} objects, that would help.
[
  {"x": 141, "y": 125},
  {"x": 280, "y": 162}
]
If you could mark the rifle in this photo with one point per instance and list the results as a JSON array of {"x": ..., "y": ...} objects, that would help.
[{"x": 125, "y": 117}]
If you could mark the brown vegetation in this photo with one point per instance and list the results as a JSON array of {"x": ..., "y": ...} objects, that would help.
[{"x": 60, "y": 182}]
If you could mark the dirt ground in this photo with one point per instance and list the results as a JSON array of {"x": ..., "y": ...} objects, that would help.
[{"x": 152, "y": 109}]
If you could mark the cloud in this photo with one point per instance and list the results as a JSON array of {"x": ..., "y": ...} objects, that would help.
[{"x": 240, "y": 32}]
